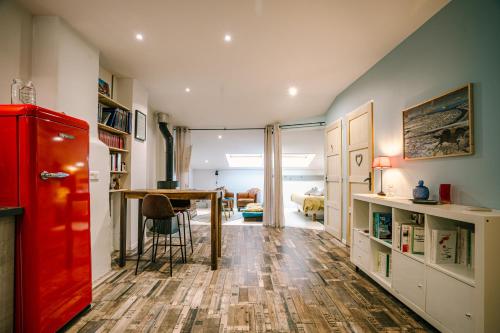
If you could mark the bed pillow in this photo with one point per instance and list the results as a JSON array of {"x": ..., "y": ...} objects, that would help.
[{"x": 313, "y": 190}]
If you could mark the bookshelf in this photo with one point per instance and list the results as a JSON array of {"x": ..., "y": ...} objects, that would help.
[
  {"x": 458, "y": 292},
  {"x": 114, "y": 124}
]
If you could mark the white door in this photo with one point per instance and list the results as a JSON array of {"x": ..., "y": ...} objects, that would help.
[
  {"x": 360, "y": 154},
  {"x": 333, "y": 200}
]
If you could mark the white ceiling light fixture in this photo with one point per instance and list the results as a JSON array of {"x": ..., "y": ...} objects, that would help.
[
  {"x": 228, "y": 38},
  {"x": 139, "y": 37},
  {"x": 206, "y": 161},
  {"x": 187, "y": 89},
  {"x": 293, "y": 91},
  {"x": 219, "y": 137}
]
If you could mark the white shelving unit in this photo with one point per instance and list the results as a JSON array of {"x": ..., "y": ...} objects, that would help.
[{"x": 452, "y": 297}]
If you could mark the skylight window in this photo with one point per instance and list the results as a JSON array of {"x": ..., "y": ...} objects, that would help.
[
  {"x": 257, "y": 160},
  {"x": 297, "y": 160},
  {"x": 245, "y": 160}
]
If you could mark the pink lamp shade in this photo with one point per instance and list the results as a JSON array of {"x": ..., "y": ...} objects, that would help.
[{"x": 382, "y": 162}]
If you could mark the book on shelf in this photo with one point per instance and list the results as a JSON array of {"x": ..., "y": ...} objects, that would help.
[
  {"x": 465, "y": 246},
  {"x": 417, "y": 239},
  {"x": 384, "y": 264},
  {"x": 443, "y": 246},
  {"x": 115, "y": 117},
  {"x": 409, "y": 237},
  {"x": 117, "y": 163},
  {"x": 382, "y": 225},
  {"x": 112, "y": 140}
]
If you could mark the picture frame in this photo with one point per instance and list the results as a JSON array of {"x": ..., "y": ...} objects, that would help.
[
  {"x": 440, "y": 127},
  {"x": 140, "y": 126}
]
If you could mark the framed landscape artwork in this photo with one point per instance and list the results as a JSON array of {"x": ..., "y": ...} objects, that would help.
[{"x": 441, "y": 127}]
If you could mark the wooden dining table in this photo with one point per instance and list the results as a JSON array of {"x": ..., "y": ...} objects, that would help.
[{"x": 215, "y": 198}]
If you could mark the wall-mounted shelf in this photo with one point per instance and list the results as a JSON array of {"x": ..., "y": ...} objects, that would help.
[
  {"x": 111, "y": 102},
  {"x": 118, "y": 150},
  {"x": 118, "y": 190},
  {"x": 111, "y": 129}
]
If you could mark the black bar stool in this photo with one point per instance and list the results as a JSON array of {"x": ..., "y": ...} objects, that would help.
[
  {"x": 158, "y": 209},
  {"x": 183, "y": 207}
]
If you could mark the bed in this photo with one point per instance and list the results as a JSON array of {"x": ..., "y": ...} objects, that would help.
[{"x": 313, "y": 205}]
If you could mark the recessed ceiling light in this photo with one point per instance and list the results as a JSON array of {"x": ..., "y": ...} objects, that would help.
[
  {"x": 187, "y": 89},
  {"x": 220, "y": 137},
  {"x": 292, "y": 91},
  {"x": 206, "y": 161},
  {"x": 139, "y": 37},
  {"x": 228, "y": 38}
]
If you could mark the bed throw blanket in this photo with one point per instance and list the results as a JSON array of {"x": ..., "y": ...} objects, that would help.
[{"x": 309, "y": 203}]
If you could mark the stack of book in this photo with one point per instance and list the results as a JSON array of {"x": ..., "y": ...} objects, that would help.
[
  {"x": 117, "y": 163},
  {"x": 409, "y": 237},
  {"x": 382, "y": 226},
  {"x": 112, "y": 140},
  {"x": 384, "y": 263},
  {"x": 115, "y": 117},
  {"x": 453, "y": 246}
]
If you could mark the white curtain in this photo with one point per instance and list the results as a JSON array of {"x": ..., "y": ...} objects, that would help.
[
  {"x": 273, "y": 183},
  {"x": 182, "y": 155},
  {"x": 279, "y": 216},
  {"x": 268, "y": 175}
]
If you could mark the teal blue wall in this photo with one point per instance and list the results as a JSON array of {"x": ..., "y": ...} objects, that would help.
[{"x": 460, "y": 44}]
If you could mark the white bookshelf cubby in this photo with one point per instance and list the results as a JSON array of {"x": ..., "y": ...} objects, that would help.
[{"x": 453, "y": 297}]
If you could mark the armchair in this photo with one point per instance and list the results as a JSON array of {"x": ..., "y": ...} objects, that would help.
[{"x": 244, "y": 198}]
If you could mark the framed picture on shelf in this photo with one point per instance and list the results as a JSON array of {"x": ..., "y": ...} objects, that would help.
[
  {"x": 104, "y": 88},
  {"x": 140, "y": 126},
  {"x": 440, "y": 127}
]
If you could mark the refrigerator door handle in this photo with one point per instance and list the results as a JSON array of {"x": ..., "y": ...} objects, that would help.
[{"x": 47, "y": 175}]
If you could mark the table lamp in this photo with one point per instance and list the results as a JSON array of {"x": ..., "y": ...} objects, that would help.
[{"x": 381, "y": 163}]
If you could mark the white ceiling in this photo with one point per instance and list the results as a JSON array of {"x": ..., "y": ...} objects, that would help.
[
  {"x": 207, "y": 145},
  {"x": 319, "y": 46}
]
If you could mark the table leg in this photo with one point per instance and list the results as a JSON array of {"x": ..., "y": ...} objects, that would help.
[
  {"x": 140, "y": 235},
  {"x": 213, "y": 231},
  {"x": 123, "y": 230},
  {"x": 219, "y": 227}
]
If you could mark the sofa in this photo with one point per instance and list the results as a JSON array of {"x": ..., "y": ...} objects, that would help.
[{"x": 245, "y": 198}]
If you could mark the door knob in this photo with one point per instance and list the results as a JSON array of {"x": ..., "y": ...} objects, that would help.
[{"x": 47, "y": 175}]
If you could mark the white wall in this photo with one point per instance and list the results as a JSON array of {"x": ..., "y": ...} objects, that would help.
[
  {"x": 236, "y": 180},
  {"x": 65, "y": 70},
  {"x": 15, "y": 41},
  {"x": 138, "y": 167}
]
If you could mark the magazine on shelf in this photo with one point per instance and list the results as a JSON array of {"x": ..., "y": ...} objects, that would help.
[{"x": 382, "y": 225}]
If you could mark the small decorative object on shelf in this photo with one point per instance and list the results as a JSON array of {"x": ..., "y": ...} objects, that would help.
[
  {"x": 27, "y": 94},
  {"x": 445, "y": 193},
  {"x": 15, "y": 91},
  {"x": 421, "y": 192},
  {"x": 104, "y": 87}
]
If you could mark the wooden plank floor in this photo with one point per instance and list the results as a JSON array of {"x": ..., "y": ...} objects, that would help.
[{"x": 291, "y": 280}]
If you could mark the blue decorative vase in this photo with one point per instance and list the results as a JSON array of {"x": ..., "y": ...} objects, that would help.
[{"x": 420, "y": 191}]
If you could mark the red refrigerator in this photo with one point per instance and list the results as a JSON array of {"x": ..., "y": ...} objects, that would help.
[{"x": 44, "y": 168}]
